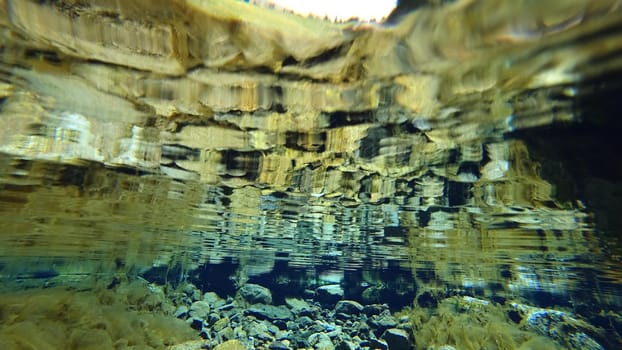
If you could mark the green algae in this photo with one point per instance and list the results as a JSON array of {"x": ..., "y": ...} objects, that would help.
[
  {"x": 130, "y": 316},
  {"x": 471, "y": 324}
]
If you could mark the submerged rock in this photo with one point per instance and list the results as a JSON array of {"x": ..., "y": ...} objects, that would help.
[
  {"x": 397, "y": 339},
  {"x": 378, "y": 344},
  {"x": 181, "y": 311},
  {"x": 329, "y": 294},
  {"x": 384, "y": 320},
  {"x": 254, "y": 293},
  {"x": 560, "y": 326},
  {"x": 348, "y": 307},
  {"x": 199, "y": 309},
  {"x": 299, "y": 306},
  {"x": 269, "y": 312},
  {"x": 277, "y": 345},
  {"x": 231, "y": 345},
  {"x": 320, "y": 341}
]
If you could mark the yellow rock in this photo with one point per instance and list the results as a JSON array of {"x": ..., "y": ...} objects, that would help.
[{"x": 231, "y": 345}]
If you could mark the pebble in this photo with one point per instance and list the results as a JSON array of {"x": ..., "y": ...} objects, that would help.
[
  {"x": 345, "y": 325},
  {"x": 277, "y": 345},
  {"x": 220, "y": 324}
]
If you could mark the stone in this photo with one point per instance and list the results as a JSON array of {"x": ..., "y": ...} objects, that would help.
[
  {"x": 326, "y": 326},
  {"x": 211, "y": 298},
  {"x": 189, "y": 345},
  {"x": 292, "y": 326},
  {"x": 372, "y": 294},
  {"x": 196, "y": 323},
  {"x": 299, "y": 306},
  {"x": 239, "y": 333},
  {"x": 281, "y": 324},
  {"x": 254, "y": 293},
  {"x": 258, "y": 330},
  {"x": 383, "y": 321},
  {"x": 329, "y": 294},
  {"x": 345, "y": 345},
  {"x": 362, "y": 327},
  {"x": 199, "y": 309},
  {"x": 235, "y": 315},
  {"x": 269, "y": 312},
  {"x": 224, "y": 306},
  {"x": 348, "y": 307},
  {"x": 320, "y": 341},
  {"x": 192, "y": 291},
  {"x": 226, "y": 333},
  {"x": 334, "y": 333},
  {"x": 277, "y": 345},
  {"x": 231, "y": 345},
  {"x": 212, "y": 318},
  {"x": 181, "y": 311},
  {"x": 404, "y": 319},
  {"x": 273, "y": 329},
  {"x": 282, "y": 335},
  {"x": 378, "y": 344},
  {"x": 560, "y": 326},
  {"x": 343, "y": 317},
  {"x": 374, "y": 309},
  {"x": 397, "y": 339},
  {"x": 220, "y": 324}
]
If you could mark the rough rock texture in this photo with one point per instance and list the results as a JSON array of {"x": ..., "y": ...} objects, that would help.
[
  {"x": 397, "y": 339},
  {"x": 270, "y": 312},
  {"x": 254, "y": 293},
  {"x": 329, "y": 294},
  {"x": 348, "y": 307}
]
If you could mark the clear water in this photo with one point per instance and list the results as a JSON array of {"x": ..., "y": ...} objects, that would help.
[{"x": 466, "y": 149}]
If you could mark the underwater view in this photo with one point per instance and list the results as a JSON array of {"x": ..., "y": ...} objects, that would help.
[{"x": 221, "y": 174}]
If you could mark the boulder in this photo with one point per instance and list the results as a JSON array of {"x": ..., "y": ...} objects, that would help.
[
  {"x": 320, "y": 341},
  {"x": 299, "y": 306},
  {"x": 254, "y": 293},
  {"x": 348, "y": 307},
  {"x": 397, "y": 339},
  {"x": 199, "y": 309},
  {"x": 269, "y": 312},
  {"x": 329, "y": 294}
]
